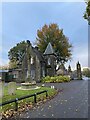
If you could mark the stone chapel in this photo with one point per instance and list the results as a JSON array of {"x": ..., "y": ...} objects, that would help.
[{"x": 35, "y": 64}]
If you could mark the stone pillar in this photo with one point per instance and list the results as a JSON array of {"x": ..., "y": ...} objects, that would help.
[
  {"x": 79, "y": 73},
  {"x": 70, "y": 71},
  {"x": 23, "y": 78},
  {"x": 28, "y": 52}
]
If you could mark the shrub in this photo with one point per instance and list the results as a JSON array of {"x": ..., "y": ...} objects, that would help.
[
  {"x": 46, "y": 79},
  {"x": 58, "y": 79}
]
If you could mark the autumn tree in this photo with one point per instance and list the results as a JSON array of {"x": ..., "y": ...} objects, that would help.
[
  {"x": 16, "y": 53},
  {"x": 87, "y": 12},
  {"x": 51, "y": 33}
]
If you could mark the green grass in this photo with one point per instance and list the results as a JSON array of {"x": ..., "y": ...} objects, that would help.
[{"x": 20, "y": 93}]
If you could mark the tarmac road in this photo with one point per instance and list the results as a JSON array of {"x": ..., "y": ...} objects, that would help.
[{"x": 72, "y": 102}]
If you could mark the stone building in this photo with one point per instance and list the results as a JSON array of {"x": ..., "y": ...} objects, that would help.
[{"x": 34, "y": 65}]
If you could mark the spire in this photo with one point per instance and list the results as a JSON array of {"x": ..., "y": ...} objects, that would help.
[
  {"x": 69, "y": 68},
  {"x": 78, "y": 63},
  {"x": 49, "y": 50}
]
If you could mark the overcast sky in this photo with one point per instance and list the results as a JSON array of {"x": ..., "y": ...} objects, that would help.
[{"x": 20, "y": 21}]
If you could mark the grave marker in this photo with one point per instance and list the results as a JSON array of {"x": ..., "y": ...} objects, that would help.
[{"x": 11, "y": 88}]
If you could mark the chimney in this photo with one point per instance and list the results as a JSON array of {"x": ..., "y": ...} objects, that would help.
[{"x": 36, "y": 47}]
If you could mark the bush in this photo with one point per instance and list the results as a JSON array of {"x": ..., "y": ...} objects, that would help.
[
  {"x": 56, "y": 79},
  {"x": 46, "y": 79}
]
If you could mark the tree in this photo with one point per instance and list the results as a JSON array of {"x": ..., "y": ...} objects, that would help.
[
  {"x": 4, "y": 67},
  {"x": 86, "y": 72},
  {"x": 87, "y": 12},
  {"x": 51, "y": 33},
  {"x": 16, "y": 53}
]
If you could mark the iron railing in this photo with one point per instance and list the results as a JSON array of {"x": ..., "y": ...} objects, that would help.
[{"x": 24, "y": 97}]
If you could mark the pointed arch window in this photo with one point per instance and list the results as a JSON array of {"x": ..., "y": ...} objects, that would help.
[
  {"x": 49, "y": 61},
  {"x": 32, "y": 60}
]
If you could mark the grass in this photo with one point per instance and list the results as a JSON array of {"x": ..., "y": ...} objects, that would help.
[{"x": 20, "y": 93}]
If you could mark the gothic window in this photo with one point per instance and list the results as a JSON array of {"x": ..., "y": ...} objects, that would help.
[
  {"x": 43, "y": 72},
  {"x": 32, "y": 60},
  {"x": 27, "y": 73},
  {"x": 33, "y": 74},
  {"x": 49, "y": 61}
]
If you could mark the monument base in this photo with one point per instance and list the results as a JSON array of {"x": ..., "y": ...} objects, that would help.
[{"x": 28, "y": 86}]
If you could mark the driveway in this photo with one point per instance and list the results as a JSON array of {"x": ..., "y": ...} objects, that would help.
[{"x": 72, "y": 102}]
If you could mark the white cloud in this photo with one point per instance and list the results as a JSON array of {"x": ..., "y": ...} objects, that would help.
[{"x": 82, "y": 57}]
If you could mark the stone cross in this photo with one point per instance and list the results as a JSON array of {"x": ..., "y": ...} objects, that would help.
[{"x": 28, "y": 51}]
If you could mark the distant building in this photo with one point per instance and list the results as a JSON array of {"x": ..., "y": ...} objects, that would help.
[
  {"x": 3, "y": 75},
  {"x": 62, "y": 70}
]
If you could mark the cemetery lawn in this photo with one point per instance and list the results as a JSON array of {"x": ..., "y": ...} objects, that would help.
[{"x": 20, "y": 93}]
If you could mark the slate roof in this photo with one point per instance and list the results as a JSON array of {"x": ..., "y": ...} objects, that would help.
[
  {"x": 39, "y": 54},
  {"x": 49, "y": 50}
]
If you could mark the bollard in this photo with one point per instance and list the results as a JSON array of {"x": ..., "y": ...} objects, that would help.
[
  {"x": 16, "y": 104},
  {"x": 35, "y": 98},
  {"x": 46, "y": 94}
]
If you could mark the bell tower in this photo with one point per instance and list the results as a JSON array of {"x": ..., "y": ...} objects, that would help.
[{"x": 50, "y": 58}]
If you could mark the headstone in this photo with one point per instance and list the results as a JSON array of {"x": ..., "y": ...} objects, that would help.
[
  {"x": 11, "y": 88},
  {"x": 1, "y": 89}
]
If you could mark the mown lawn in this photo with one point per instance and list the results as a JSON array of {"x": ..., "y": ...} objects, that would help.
[{"x": 20, "y": 93}]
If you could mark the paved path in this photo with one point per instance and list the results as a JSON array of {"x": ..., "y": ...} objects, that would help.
[{"x": 71, "y": 103}]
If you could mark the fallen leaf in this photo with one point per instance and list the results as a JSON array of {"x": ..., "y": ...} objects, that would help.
[{"x": 49, "y": 106}]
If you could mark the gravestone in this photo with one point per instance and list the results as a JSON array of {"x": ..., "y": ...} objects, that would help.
[
  {"x": 1, "y": 89},
  {"x": 11, "y": 88}
]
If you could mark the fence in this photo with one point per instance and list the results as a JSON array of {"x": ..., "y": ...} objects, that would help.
[{"x": 24, "y": 97}]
